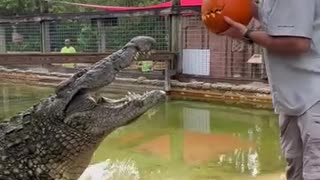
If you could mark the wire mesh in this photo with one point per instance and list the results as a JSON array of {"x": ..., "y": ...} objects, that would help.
[
  {"x": 121, "y": 30},
  {"x": 107, "y": 34},
  {"x": 85, "y": 35},
  {"x": 203, "y": 53},
  {"x": 225, "y": 57},
  {"x": 20, "y": 37}
]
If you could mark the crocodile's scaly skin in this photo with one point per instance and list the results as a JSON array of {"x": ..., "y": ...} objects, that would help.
[{"x": 56, "y": 138}]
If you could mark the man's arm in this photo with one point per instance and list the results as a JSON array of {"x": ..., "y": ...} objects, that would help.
[
  {"x": 281, "y": 44},
  {"x": 289, "y": 27}
]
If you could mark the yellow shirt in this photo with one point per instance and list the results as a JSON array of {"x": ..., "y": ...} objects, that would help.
[{"x": 69, "y": 49}]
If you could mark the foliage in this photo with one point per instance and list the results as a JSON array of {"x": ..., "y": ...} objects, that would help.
[
  {"x": 18, "y": 7},
  {"x": 31, "y": 38},
  {"x": 128, "y": 28},
  {"x": 87, "y": 39}
]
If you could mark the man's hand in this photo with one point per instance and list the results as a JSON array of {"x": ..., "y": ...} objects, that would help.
[{"x": 236, "y": 31}]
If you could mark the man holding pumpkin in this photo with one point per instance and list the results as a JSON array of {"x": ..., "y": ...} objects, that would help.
[{"x": 291, "y": 39}]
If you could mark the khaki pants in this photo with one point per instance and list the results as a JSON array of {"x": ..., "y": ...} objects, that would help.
[{"x": 300, "y": 143}]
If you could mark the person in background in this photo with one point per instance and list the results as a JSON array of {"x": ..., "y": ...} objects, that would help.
[
  {"x": 68, "y": 49},
  {"x": 291, "y": 40}
]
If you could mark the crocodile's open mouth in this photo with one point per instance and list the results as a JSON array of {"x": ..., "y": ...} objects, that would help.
[
  {"x": 131, "y": 96},
  {"x": 144, "y": 54}
]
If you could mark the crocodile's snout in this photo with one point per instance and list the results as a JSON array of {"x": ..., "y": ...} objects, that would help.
[{"x": 144, "y": 43}]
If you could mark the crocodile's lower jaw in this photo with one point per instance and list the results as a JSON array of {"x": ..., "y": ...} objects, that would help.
[{"x": 130, "y": 96}]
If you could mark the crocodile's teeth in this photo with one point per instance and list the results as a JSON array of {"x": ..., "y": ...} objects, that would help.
[
  {"x": 136, "y": 56},
  {"x": 133, "y": 95},
  {"x": 136, "y": 95},
  {"x": 92, "y": 99},
  {"x": 129, "y": 98}
]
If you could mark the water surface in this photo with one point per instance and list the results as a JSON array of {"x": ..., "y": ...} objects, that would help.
[{"x": 179, "y": 139}]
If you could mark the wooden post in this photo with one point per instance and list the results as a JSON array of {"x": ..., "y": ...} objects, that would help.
[
  {"x": 175, "y": 30},
  {"x": 102, "y": 33},
  {"x": 45, "y": 36},
  {"x": 44, "y": 28}
]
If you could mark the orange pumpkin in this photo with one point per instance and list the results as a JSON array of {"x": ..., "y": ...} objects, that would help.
[{"x": 213, "y": 11}]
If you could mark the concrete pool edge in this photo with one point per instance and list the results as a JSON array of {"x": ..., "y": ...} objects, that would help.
[{"x": 255, "y": 94}]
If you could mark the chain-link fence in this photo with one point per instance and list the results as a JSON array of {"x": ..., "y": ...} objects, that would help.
[
  {"x": 87, "y": 35},
  {"x": 202, "y": 53},
  {"x": 22, "y": 37},
  {"x": 209, "y": 55}
]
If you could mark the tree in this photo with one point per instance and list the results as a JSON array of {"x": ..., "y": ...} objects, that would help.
[{"x": 18, "y": 7}]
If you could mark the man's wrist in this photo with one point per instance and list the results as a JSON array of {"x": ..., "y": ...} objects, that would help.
[{"x": 247, "y": 37}]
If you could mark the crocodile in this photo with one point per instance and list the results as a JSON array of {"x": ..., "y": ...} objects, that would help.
[{"x": 56, "y": 138}]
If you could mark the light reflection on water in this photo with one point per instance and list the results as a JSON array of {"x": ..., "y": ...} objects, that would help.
[
  {"x": 112, "y": 170},
  {"x": 16, "y": 98},
  {"x": 178, "y": 140}
]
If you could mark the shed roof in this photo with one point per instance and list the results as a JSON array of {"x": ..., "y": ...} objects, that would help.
[{"x": 183, "y": 3}]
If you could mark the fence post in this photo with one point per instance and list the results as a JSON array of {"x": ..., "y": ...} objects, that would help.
[
  {"x": 45, "y": 36},
  {"x": 175, "y": 30},
  {"x": 44, "y": 28},
  {"x": 102, "y": 33},
  {"x": 3, "y": 48}
]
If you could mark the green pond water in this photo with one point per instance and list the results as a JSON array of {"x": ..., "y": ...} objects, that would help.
[{"x": 180, "y": 139}]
